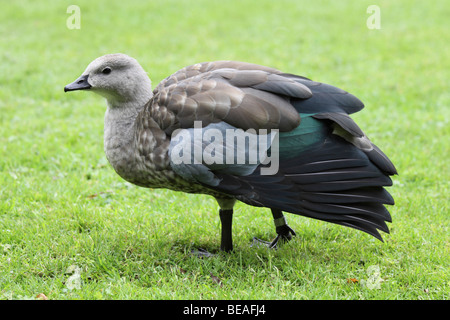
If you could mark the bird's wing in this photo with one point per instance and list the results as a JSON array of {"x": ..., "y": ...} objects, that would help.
[
  {"x": 218, "y": 97},
  {"x": 334, "y": 105},
  {"x": 204, "y": 67},
  {"x": 325, "y": 98},
  {"x": 346, "y": 127},
  {"x": 240, "y": 94}
]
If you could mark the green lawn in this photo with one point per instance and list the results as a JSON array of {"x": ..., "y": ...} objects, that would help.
[{"x": 70, "y": 228}]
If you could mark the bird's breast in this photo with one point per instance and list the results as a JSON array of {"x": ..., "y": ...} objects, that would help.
[{"x": 138, "y": 150}]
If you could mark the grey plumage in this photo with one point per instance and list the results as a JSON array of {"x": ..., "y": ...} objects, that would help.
[{"x": 329, "y": 169}]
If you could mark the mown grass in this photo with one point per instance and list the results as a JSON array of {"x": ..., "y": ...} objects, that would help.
[{"x": 62, "y": 208}]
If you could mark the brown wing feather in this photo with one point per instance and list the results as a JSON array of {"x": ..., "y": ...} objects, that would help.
[
  {"x": 242, "y": 94},
  {"x": 199, "y": 68}
]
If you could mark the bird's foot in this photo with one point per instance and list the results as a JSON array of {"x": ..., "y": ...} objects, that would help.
[{"x": 284, "y": 234}]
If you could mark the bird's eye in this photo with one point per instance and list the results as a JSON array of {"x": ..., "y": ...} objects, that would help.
[{"x": 107, "y": 70}]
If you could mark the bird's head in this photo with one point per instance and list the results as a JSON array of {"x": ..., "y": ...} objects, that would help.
[{"x": 117, "y": 77}]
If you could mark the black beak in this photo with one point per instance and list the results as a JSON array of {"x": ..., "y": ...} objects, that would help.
[{"x": 80, "y": 84}]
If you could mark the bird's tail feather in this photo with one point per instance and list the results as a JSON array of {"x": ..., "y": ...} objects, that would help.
[{"x": 334, "y": 182}]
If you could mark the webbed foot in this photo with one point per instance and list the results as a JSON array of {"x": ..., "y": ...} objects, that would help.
[{"x": 284, "y": 232}]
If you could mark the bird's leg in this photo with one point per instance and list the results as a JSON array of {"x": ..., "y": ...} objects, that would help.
[
  {"x": 226, "y": 218},
  {"x": 226, "y": 244},
  {"x": 284, "y": 232}
]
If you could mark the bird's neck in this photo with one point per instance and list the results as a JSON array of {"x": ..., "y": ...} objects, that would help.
[
  {"x": 120, "y": 129},
  {"x": 132, "y": 97},
  {"x": 122, "y": 111}
]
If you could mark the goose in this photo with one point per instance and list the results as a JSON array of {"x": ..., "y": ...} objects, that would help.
[{"x": 310, "y": 158}]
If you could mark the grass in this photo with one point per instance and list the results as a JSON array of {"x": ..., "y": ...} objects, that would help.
[{"x": 70, "y": 228}]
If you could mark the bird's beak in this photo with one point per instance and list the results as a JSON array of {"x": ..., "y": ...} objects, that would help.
[{"x": 80, "y": 84}]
